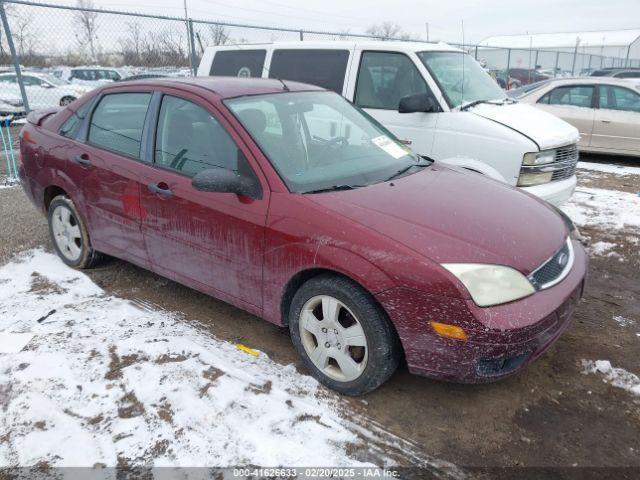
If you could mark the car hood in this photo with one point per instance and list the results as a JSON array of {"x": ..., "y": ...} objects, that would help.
[
  {"x": 546, "y": 130},
  {"x": 449, "y": 215}
]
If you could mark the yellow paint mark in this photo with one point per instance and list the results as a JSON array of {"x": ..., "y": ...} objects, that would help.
[{"x": 248, "y": 350}]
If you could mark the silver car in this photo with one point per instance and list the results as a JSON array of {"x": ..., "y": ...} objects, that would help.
[{"x": 605, "y": 110}]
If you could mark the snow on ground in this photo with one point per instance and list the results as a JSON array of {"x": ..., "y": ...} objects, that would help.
[
  {"x": 622, "y": 321},
  {"x": 608, "y": 168},
  {"x": 602, "y": 248},
  {"x": 618, "y": 377},
  {"x": 104, "y": 380},
  {"x": 606, "y": 209}
]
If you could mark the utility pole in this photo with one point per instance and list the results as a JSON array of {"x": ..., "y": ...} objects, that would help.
[
  {"x": 189, "y": 35},
  {"x": 427, "y": 25}
]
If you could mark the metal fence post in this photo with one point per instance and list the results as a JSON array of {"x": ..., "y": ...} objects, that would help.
[
  {"x": 555, "y": 69},
  {"x": 508, "y": 60},
  {"x": 476, "y": 54},
  {"x": 192, "y": 48},
  {"x": 301, "y": 35},
  {"x": 14, "y": 56}
]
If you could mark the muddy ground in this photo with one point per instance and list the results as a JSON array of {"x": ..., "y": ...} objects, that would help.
[{"x": 551, "y": 414}]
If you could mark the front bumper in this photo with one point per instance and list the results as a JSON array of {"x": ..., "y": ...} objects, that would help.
[
  {"x": 492, "y": 352},
  {"x": 556, "y": 193}
]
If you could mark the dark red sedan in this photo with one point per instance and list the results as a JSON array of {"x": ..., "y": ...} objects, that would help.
[{"x": 288, "y": 202}]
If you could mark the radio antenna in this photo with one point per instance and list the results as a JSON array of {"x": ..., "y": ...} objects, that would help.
[{"x": 462, "y": 87}]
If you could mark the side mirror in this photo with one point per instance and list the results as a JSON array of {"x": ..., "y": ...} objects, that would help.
[
  {"x": 420, "y": 102},
  {"x": 222, "y": 180}
]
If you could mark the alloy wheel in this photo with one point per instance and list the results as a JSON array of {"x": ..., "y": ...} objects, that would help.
[
  {"x": 66, "y": 233},
  {"x": 333, "y": 338}
]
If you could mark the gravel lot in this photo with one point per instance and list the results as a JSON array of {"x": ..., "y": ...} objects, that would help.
[{"x": 562, "y": 411}]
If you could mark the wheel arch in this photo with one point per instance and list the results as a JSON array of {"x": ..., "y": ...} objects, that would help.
[
  {"x": 303, "y": 276},
  {"x": 51, "y": 192}
]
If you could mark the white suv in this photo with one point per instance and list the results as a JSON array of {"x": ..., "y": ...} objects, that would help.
[{"x": 436, "y": 98}]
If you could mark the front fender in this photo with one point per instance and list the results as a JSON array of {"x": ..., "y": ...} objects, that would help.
[
  {"x": 284, "y": 262},
  {"x": 475, "y": 165}
]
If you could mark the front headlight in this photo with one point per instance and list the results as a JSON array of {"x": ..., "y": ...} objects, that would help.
[
  {"x": 532, "y": 179},
  {"x": 539, "y": 158},
  {"x": 491, "y": 284}
]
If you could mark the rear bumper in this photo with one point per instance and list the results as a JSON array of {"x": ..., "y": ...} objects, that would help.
[
  {"x": 494, "y": 352},
  {"x": 555, "y": 193}
]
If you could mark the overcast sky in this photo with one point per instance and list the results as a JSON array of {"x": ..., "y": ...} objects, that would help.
[{"x": 481, "y": 18}]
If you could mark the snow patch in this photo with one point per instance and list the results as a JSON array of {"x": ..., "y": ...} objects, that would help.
[
  {"x": 622, "y": 321},
  {"x": 606, "y": 168},
  {"x": 104, "y": 380},
  {"x": 601, "y": 248},
  {"x": 606, "y": 209},
  {"x": 618, "y": 377}
]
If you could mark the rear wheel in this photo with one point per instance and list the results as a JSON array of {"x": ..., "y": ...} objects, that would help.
[
  {"x": 69, "y": 234},
  {"x": 342, "y": 335}
]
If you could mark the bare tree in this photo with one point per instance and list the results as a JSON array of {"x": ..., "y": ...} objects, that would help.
[
  {"x": 133, "y": 44},
  {"x": 86, "y": 21},
  {"x": 23, "y": 36},
  {"x": 387, "y": 31},
  {"x": 218, "y": 34}
]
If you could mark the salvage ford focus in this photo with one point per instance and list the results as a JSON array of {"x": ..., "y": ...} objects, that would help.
[{"x": 287, "y": 201}]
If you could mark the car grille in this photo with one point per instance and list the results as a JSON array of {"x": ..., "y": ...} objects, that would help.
[
  {"x": 555, "y": 269},
  {"x": 566, "y": 160}
]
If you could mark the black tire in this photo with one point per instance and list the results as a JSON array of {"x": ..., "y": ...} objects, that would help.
[
  {"x": 88, "y": 256},
  {"x": 67, "y": 100},
  {"x": 383, "y": 346}
]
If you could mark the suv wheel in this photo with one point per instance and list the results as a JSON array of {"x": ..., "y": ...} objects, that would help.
[
  {"x": 64, "y": 101},
  {"x": 344, "y": 338},
  {"x": 69, "y": 234}
]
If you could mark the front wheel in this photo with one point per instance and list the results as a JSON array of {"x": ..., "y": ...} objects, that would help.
[
  {"x": 343, "y": 336},
  {"x": 69, "y": 234},
  {"x": 64, "y": 101}
]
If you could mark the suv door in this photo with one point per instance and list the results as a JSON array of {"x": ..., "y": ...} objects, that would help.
[
  {"x": 617, "y": 120},
  {"x": 211, "y": 241},
  {"x": 110, "y": 156},
  {"x": 383, "y": 78},
  {"x": 573, "y": 104}
]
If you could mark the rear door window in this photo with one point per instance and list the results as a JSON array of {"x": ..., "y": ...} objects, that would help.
[
  {"x": 71, "y": 126},
  {"x": 117, "y": 122},
  {"x": 575, "y": 95},
  {"x": 238, "y": 63},
  {"x": 619, "y": 98},
  {"x": 384, "y": 78},
  {"x": 325, "y": 68}
]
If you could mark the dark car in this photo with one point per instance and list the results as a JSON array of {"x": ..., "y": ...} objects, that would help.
[
  {"x": 285, "y": 200},
  {"x": 526, "y": 75},
  {"x": 617, "y": 72}
]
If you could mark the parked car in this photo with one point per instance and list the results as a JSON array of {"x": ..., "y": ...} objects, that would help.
[
  {"x": 11, "y": 106},
  {"x": 617, "y": 73},
  {"x": 42, "y": 90},
  {"x": 527, "y": 75},
  {"x": 464, "y": 119},
  {"x": 92, "y": 76},
  {"x": 605, "y": 110},
  {"x": 519, "y": 92},
  {"x": 285, "y": 200}
]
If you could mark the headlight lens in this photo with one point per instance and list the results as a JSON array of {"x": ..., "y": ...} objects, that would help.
[
  {"x": 539, "y": 158},
  {"x": 491, "y": 284},
  {"x": 531, "y": 179}
]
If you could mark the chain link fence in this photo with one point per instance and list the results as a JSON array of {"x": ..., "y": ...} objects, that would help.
[{"x": 51, "y": 54}]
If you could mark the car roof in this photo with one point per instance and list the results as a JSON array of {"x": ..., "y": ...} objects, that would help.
[
  {"x": 626, "y": 82},
  {"x": 392, "y": 45},
  {"x": 224, "y": 87}
]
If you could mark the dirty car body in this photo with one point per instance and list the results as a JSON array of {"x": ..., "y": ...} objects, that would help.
[{"x": 410, "y": 239}]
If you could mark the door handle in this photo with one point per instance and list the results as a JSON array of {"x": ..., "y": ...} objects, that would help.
[
  {"x": 82, "y": 160},
  {"x": 160, "y": 188}
]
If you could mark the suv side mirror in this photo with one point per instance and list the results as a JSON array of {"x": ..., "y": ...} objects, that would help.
[
  {"x": 421, "y": 102},
  {"x": 222, "y": 180}
]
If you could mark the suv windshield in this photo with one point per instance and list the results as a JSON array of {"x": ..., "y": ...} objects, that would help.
[
  {"x": 318, "y": 141},
  {"x": 461, "y": 78}
]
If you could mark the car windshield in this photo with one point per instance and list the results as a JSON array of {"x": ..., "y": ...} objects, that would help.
[
  {"x": 461, "y": 78},
  {"x": 318, "y": 140}
]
